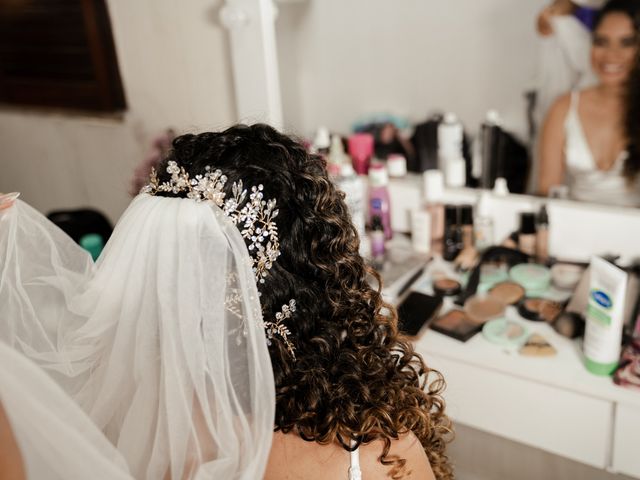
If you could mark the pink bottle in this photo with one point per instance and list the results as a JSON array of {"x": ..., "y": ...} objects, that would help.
[
  {"x": 361, "y": 151},
  {"x": 379, "y": 204}
]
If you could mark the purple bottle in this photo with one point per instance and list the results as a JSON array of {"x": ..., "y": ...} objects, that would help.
[
  {"x": 379, "y": 204},
  {"x": 377, "y": 239}
]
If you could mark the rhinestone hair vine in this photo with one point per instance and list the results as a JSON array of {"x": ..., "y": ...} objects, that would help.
[
  {"x": 279, "y": 328},
  {"x": 253, "y": 217}
]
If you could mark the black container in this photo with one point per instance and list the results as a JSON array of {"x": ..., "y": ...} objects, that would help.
[
  {"x": 527, "y": 223},
  {"x": 452, "y": 243},
  {"x": 502, "y": 156}
]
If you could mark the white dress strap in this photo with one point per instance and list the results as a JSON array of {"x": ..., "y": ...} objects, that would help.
[{"x": 354, "y": 470}]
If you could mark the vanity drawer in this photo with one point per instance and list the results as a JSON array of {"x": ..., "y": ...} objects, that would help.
[
  {"x": 552, "y": 419},
  {"x": 626, "y": 441}
]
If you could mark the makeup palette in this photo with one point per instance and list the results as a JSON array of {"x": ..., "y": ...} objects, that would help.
[{"x": 456, "y": 324}]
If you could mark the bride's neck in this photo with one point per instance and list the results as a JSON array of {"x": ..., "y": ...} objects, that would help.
[{"x": 611, "y": 92}]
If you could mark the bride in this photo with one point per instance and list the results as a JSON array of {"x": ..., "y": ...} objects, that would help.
[{"x": 229, "y": 303}]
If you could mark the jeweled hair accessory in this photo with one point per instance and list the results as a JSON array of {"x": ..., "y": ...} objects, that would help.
[
  {"x": 279, "y": 328},
  {"x": 254, "y": 218}
]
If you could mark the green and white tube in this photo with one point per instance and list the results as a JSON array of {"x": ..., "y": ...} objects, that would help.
[{"x": 605, "y": 317}]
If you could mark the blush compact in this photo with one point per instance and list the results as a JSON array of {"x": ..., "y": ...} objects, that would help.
[{"x": 446, "y": 287}]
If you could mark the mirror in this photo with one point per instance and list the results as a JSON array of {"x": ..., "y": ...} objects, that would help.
[{"x": 346, "y": 62}]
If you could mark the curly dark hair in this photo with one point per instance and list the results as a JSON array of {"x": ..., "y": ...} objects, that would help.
[
  {"x": 632, "y": 123},
  {"x": 354, "y": 377},
  {"x": 631, "y": 8}
]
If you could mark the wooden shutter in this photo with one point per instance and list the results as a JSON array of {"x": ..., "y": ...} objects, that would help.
[{"x": 58, "y": 53}]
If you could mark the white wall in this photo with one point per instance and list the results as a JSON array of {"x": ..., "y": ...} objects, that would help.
[
  {"x": 344, "y": 58},
  {"x": 173, "y": 59}
]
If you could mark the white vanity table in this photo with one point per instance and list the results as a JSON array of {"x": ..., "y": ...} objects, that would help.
[{"x": 551, "y": 403}]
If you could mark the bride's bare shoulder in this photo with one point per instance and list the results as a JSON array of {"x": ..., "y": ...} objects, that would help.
[{"x": 293, "y": 458}]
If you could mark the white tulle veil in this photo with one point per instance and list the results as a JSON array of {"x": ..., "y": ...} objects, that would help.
[{"x": 161, "y": 342}]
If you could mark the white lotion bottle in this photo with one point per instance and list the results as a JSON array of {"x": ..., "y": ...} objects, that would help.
[{"x": 605, "y": 317}]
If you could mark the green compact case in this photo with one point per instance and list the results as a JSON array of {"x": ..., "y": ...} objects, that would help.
[
  {"x": 490, "y": 275},
  {"x": 505, "y": 332},
  {"x": 534, "y": 278}
]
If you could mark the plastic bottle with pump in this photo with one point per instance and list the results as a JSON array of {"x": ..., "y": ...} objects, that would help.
[{"x": 379, "y": 201}]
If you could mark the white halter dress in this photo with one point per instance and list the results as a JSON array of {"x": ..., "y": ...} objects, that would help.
[{"x": 586, "y": 181}]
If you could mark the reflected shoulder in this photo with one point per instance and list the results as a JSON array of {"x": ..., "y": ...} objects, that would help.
[{"x": 561, "y": 105}]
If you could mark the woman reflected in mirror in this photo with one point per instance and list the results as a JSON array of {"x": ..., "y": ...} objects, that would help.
[{"x": 586, "y": 142}]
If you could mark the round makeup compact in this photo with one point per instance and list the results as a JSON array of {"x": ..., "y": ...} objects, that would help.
[
  {"x": 534, "y": 278},
  {"x": 446, "y": 287},
  {"x": 539, "y": 309},
  {"x": 491, "y": 274},
  {"x": 505, "y": 332},
  {"x": 508, "y": 293},
  {"x": 482, "y": 308},
  {"x": 566, "y": 276}
]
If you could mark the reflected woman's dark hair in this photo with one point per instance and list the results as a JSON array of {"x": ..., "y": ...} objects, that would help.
[
  {"x": 354, "y": 376},
  {"x": 632, "y": 117},
  {"x": 632, "y": 123},
  {"x": 631, "y": 8},
  {"x": 626, "y": 7}
]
